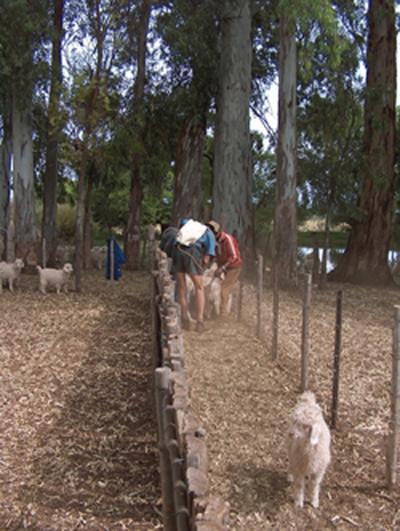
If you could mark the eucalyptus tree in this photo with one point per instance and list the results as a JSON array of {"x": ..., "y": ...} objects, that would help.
[
  {"x": 22, "y": 37},
  {"x": 139, "y": 17},
  {"x": 49, "y": 221},
  {"x": 5, "y": 171},
  {"x": 232, "y": 179},
  {"x": 330, "y": 120},
  {"x": 366, "y": 257},
  {"x": 297, "y": 19},
  {"x": 190, "y": 43},
  {"x": 285, "y": 219},
  {"x": 95, "y": 30}
]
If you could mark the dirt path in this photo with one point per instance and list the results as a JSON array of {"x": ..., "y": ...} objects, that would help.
[
  {"x": 78, "y": 432},
  {"x": 244, "y": 399}
]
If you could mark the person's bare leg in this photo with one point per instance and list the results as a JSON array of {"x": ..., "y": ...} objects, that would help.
[
  {"x": 181, "y": 279},
  {"x": 200, "y": 301},
  {"x": 200, "y": 297}
]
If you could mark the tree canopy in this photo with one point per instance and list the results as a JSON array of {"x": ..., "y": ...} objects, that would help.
[{"x": 132, "y": 115}]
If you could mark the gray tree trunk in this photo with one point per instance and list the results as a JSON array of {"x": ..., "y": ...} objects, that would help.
[
  {"x": 232, "y": 179},
  {"x": 49, "y": 222},
  {"x": 189, "y": 170},
  {"x": 285, "y": 222},
  {"x": 24, "y": 194}
]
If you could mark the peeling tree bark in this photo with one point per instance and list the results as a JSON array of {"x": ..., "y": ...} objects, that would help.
[{"x": 24, "y": 194}]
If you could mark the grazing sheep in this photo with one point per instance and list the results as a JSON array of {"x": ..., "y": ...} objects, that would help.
[
  {"x": 98, "y": 257},
  {"x": 9, "y": 272},
  {"x": 57, "y": 278},
  {"x": 308, "y": 441}
]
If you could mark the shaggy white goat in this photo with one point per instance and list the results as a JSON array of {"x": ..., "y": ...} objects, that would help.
[
  {"x": 56, "y": 278},
  {"x": 10, "y": 273},
  {"x": 309, "y": 454}
]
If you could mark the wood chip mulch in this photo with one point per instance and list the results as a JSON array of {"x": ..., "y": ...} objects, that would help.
[
  {"x": 244, "y": 399},
  {"x": 78, "y": 428}
]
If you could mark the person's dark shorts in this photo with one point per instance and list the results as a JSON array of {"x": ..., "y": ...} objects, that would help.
[{"x": 187, "y": 260}]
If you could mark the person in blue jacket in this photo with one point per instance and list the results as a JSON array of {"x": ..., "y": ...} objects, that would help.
[
  {"x": 192, "y": 252},
  {"x": 119, "y": 258}
]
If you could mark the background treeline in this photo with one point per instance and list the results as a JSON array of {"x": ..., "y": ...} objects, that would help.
[{"x": 122, "y": 113}]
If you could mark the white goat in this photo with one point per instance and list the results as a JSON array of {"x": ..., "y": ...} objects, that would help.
[
  {"x": 309, "y": 454},
  {"x": 212, "y": 291},
  {"x": 9, "y": 272},
  {"x": 57, "y": 278}
]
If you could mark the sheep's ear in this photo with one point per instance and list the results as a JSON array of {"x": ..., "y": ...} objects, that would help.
[{"x": 315, "y": 433}]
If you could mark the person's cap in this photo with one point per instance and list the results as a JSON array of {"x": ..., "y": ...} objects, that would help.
[{"x": 214, "y": 226}]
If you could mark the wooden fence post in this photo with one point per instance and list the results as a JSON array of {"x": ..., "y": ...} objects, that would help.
[
  {"x": 152, "y": 240},
  {"x": 393, "y": 438},
  {"x": 112, "y": 262},
  {"x": 240, "y": 301},
  {"x": 44, "y": 257},
  {"x": 336, "y": 363},
  {"x": 260, "y": 296},
  {"x": 275, "y": 318},
  {"x": 305, "y": 333},
  {"x": 168, "y": 505}
]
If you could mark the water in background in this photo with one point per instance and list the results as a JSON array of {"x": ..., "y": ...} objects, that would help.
[{"x": 332, "y": 257}]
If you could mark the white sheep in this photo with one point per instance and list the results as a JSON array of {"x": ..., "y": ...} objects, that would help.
[
  {"x": 57, "y": 278},
  {"x": 309, "y": 454},
  {"x": 9, "y": 272}
]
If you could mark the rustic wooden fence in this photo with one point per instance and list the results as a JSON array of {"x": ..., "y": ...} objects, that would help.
[{"x": 181, "y": 437}]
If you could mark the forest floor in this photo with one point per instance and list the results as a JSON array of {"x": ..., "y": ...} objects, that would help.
[{"x": 78, "y": 428}]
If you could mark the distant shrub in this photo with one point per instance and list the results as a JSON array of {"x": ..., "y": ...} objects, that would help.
[{"x": 66, "y": 217}]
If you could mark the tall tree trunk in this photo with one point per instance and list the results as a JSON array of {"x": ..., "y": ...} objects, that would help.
[
  {"x": 49, "y": 222},
  {"x": 285, "y": 221},
  {"x": 232, "y": 179},
  {"x": 133, "y": 229},
  {"x": 80, "y": 216},
  {"x": 87, "y": 226},
  {"x": 132, "y": 241},
  {"x": 24, "y": 193},
  {"x": 5, "y": 171},
  {"x": 188, "y": 186},
  {"x": 365, "y": 260}
]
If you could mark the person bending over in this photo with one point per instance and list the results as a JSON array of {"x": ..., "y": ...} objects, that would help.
[
  {"x": 192, "y": 252},
  {"x": 229, "y": 261}
]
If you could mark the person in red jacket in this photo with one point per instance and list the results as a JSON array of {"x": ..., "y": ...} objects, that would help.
[{"x": 229, "y": 261}]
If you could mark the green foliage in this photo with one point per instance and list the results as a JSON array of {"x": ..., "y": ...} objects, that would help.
[
  {"x": 23, "y": 32},
  {"x": 330, "y": 118},
  {"x": 66, "y": 217},
  {"x": 264, "y": 181}
]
